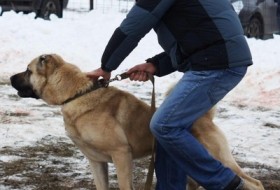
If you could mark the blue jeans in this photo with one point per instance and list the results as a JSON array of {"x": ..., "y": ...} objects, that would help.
[{"x": 179, "y": 154}]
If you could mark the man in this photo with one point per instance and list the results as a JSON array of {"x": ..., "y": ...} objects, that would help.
[{"x": 204, "y": 39}]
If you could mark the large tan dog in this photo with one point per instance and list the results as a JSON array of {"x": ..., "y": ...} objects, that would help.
[{"x": 107, "y": 124}]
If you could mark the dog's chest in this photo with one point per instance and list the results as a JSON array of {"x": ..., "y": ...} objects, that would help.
[
  {"x": 71, "y": 132},
  {"x": 91, "y": 152},
  {"x": 88, "y": 149}
]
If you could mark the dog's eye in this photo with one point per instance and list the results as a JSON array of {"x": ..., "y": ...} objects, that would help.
[
  {"x": 42, "y": 59},
  {"x": 28, "y": 71}
]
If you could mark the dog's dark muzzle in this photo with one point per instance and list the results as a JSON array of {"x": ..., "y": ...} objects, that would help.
[{"x": 23, "y": 86}]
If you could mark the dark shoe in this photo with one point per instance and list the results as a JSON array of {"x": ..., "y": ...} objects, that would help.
[
  {"x": 235, "y": 184},
  {"x": 240, "y": 186}
]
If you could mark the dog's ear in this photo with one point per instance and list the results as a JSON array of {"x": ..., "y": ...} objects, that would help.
[{"x": 45, "y": 64}]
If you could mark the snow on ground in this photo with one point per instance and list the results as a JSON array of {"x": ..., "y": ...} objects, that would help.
[{"x": 249, "y": 115}]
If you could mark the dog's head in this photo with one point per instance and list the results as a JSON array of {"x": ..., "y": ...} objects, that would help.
[
  {"x": 27, "y": 82},
  {"x": 47, "y": 77}
]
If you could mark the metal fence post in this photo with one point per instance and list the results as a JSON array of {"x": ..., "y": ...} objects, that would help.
[{"x": 91, "y": 5}]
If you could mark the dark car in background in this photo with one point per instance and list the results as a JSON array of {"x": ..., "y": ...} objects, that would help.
[
  {"x": 258, "y": 17},
  {"x": 42, "y": 8}
]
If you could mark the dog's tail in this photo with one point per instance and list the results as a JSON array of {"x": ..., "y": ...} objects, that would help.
[{"x": 211, "y": 113}]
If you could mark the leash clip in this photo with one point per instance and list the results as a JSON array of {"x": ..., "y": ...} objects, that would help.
[
  {"x": 116, "y": 78},
  {"x": 105, "y": 83},
  {"x": 119, "y": 77}
]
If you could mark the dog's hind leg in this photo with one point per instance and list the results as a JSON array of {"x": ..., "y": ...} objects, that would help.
[
  {"x": 100, "y": 174},
  {"x": 122, "y": 159},
  {"x": 216, "y": 143}
]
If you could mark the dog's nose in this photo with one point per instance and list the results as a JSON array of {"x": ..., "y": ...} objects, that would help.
[
  {"x": 12, "y": 77},
  {"x": 13, "y": 80}
]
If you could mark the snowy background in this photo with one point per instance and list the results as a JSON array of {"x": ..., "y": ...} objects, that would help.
[{"x": 249, "y": 115}]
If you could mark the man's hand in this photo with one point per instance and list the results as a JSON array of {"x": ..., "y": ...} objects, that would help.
[
  {"x": 95, "y": 74},
  {"x": 140, "y": 72}
]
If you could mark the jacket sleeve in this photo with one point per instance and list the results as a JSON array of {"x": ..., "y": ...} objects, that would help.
[
  {"x": 143, "y": 16},
  {"x": 163, "y": 64}
]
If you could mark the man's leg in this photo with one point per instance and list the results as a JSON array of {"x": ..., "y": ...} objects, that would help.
[
  {"x": 168, "y": 173},
  {"x": 193, "y": 96}
]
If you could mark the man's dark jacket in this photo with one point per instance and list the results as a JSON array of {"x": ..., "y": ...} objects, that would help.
[{"x": 195, "y": 35}]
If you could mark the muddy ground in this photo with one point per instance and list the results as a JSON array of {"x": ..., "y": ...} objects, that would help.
[{"x": 53, "y": 164}]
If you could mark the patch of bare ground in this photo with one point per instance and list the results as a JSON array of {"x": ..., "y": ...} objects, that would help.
[
  {"x": 55, "y": 163},
  {"x": 267, "y": 175}
]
